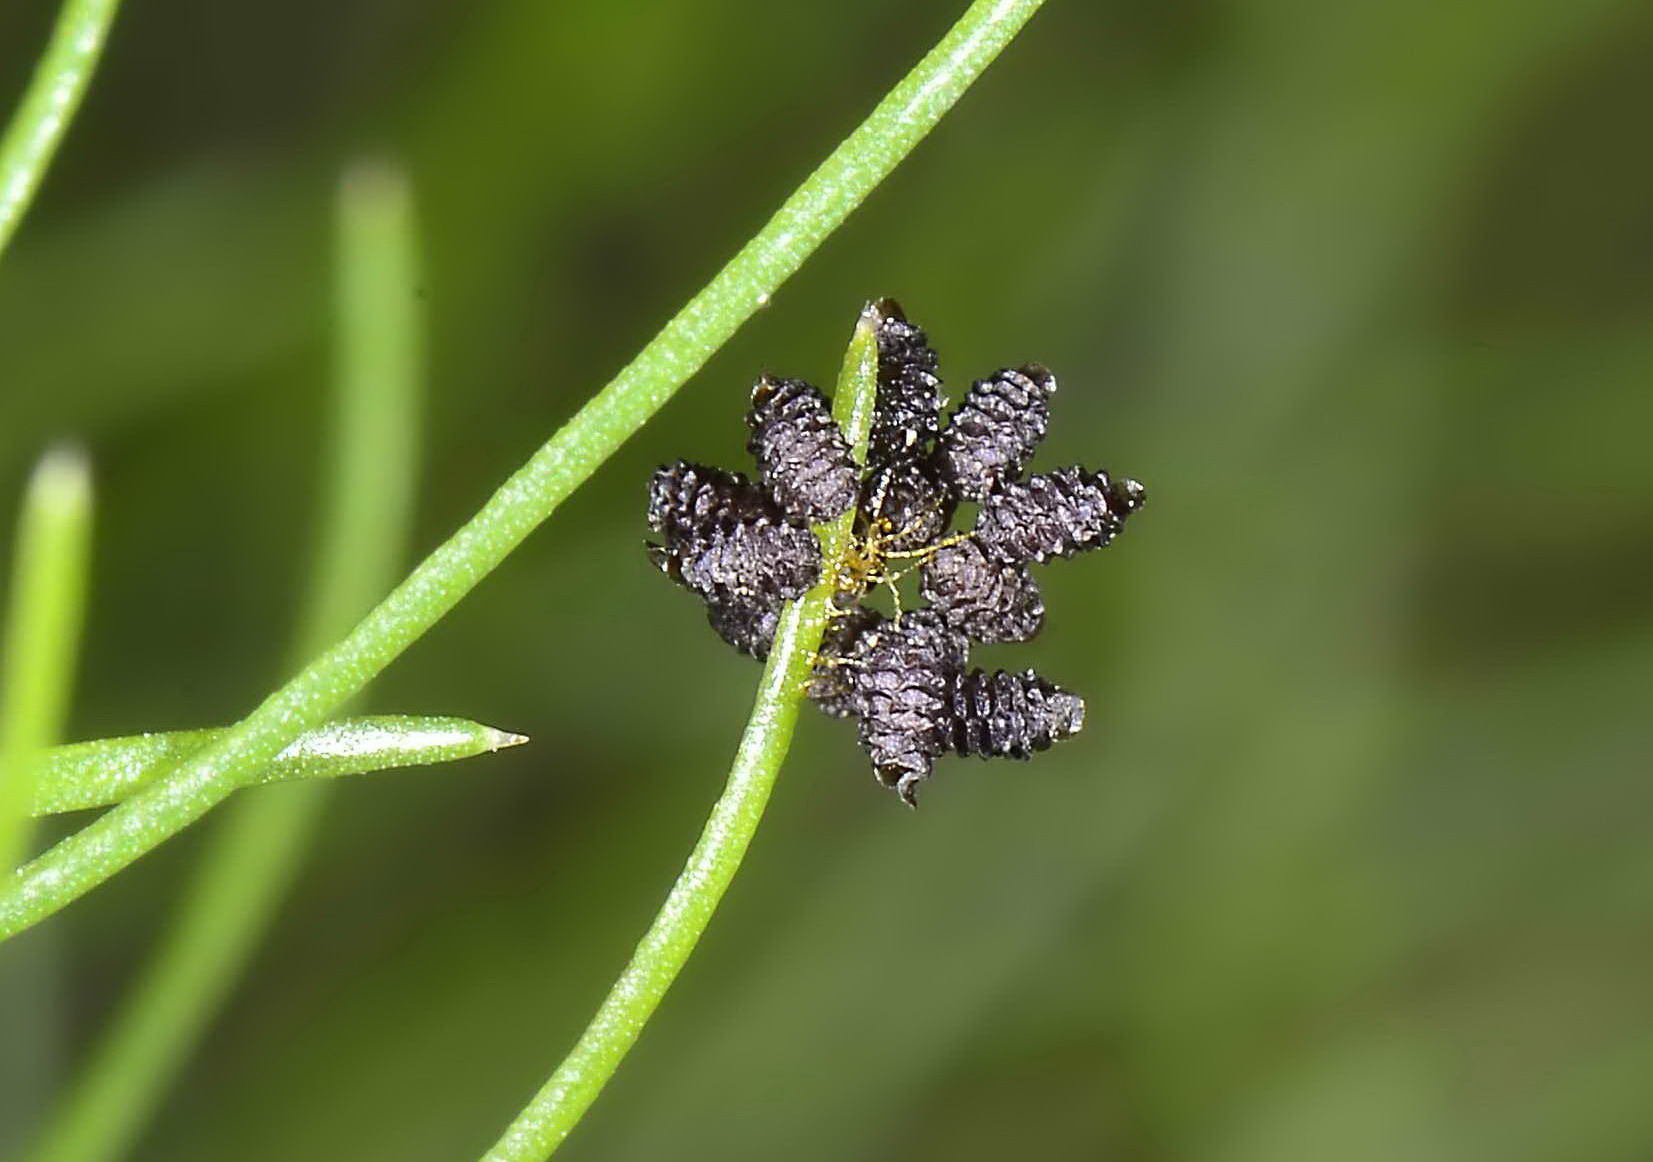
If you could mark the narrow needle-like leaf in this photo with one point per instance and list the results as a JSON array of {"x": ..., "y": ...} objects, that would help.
[
  {"x": 533, "y": 492},
  {"x": 555, "y": 1110},
  {"x": 53, "y": 95},
  {"x": 107, "y": 770},
  {"x": 42, "y": 634}
]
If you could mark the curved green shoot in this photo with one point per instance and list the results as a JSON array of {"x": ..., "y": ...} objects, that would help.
[
  {"x": 559, "y": 1105},
  {"x": 48, "y": 587},
  {"x": 54, "y": 93},
  {"x": 83, "y": 775},
  {"x": 87, "y": 858}
]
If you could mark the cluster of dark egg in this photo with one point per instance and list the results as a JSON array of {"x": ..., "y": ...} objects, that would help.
[{"x": 746, "y": 547}]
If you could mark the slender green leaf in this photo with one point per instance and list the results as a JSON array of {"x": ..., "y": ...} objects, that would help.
[
  {"x": 42, "y": 631},
  {"x": 95, "y": 774},
  {"x": 59, "y": 83},
  {"x": 560, "y": 1104}
]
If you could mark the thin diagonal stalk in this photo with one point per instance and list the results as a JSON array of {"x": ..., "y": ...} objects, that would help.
[
  {"x": 534, "y": 491},
  {"x": 48, "y": 586},
  {"x": 254, "y": 856},
  {"x": 53, "y": 95},
  {"x": 560, "y": 1104}
]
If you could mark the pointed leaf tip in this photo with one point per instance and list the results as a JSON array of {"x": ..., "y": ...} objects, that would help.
[{"x": 500, "y": 739}]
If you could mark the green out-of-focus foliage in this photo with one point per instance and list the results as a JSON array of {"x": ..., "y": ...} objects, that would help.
[{"x": 1352, "y": 859}]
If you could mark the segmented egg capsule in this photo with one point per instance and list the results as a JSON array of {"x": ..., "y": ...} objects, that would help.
[
  {"x": 907, "y": 411},
  {"x": 803, "y": 459},
  {"x": 986, "y": 598},
  {"x": 1056, "y": 514},
  {"x": 995, "y": 429},
  {"x": 685, "y": 498},
  {"x": 1005, "y": 715},
  {"x": 895, "y": 677}
]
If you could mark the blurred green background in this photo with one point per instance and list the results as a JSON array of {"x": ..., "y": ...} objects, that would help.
[{"x": 1352, "y": 860}]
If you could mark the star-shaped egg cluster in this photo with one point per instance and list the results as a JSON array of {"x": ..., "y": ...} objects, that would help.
[{"x": 745, "y": 547}]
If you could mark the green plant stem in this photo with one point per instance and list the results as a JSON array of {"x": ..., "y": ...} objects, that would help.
[
  {"x": 664, "y": 949},
  {"x": 380, "y": 356},
  {"x": 53, "y": 95},
  {"x": 84, "y": 860},
  {"x": 255, "y": 854},
  {"x": 83, "y": 775},
  {"x": 48, "y": 585}
]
